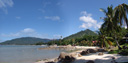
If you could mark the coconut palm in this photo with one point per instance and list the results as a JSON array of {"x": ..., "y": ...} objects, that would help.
[
  {"x": 110, "y": 26},
  {"x": 121, "y": 11},
  {"x": 104, "y": 42}
]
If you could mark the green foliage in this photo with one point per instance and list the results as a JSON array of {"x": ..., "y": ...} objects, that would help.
[
  {"x": 40, "y": 43},
  {"x": 80, "y": 34},
  {"x": 83, "y": 38},
  {"x": 124, "y": 52},
  {"x": 114, "y": 52},
  {"x": 121, "y": 52},
  {"x": 121, "y": 12},
  {"x": 112, "y": 18}
]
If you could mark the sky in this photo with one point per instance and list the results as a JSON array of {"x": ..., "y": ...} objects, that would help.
[{"x": 50, "y": 18}]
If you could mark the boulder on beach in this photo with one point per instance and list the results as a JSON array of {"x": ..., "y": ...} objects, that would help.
[
  {"x": 55, "y": 60},
  {"x": 84, "y": 52},
  {"x": 91, "y": 50},
  {"x": 73, "y": 54},
  {"x": 79, "y": 55},
  {"x": 66, "y": 58},
  {"x": 101, "y": 50},
  {"x": 62, "y": 55},
  {"x": 50, "y": 62},
  {"x": 101, "y": 53}
]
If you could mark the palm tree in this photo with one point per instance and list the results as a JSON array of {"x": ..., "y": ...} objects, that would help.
[
  {"x": 104, "y": 42},
  {"x": 121, "y": 11},
  {"x": 110, "y": 26}
]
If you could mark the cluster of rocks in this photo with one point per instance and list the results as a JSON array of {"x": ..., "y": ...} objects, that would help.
[
  {"x": 70, "y": 57},
  {"x": 67, "y": 57},
  {"x": 67, "y": 48},
  {"x": 85, "y": 52}
]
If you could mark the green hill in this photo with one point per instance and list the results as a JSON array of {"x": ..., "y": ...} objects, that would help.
[
  {"x": 24, "y": 41},
  {"x": 81, "y": 34}
]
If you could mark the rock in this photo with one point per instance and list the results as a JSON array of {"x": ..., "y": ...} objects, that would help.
[
  {"x": 69, "y": 46},
  {"x": 101, "y": 53},
  {"x": 66, "y": 58},
  {"x": 62, "y": 55},
  {"x": 73, "y": 54},
  {"x": 45, "y": 59},
  {"x": 101, "y": 50},
  {"x": 84, "y": 52},
  {"x": 56, "y": 60},
  {"x": 90, "y": 61},
  {"x": 91, "y": 50},
  {"x": 50, "y": 62},
  {"x": 79, "y": 55},
  {"x": 113, "y": 57},
  {"x": 113, "y": 60}
]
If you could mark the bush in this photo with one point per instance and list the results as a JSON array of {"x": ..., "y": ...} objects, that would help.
[
  {"x": 124, "y": 52},
  {"x": 114, "y": 52}
]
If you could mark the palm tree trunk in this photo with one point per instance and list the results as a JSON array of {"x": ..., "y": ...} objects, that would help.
[{"x": 117, "y": 43}]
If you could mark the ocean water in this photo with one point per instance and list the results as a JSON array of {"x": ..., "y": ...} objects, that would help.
[{"x": 25, "y": 54}]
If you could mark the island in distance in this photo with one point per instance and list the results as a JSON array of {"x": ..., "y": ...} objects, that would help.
[{"x": 34, "y": 40}]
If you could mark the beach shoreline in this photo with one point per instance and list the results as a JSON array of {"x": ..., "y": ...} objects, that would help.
[
  {"x": 76, "y": 49},
  {"x": 95, "y": 57}
]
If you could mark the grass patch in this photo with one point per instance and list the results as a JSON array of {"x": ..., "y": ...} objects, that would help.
[{"x": 114, "y": 52}]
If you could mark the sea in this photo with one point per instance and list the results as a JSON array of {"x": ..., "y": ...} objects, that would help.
[{"x": 25, "y": 53}]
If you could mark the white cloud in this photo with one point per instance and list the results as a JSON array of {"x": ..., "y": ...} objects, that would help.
[
  {"x": 18, "y": 17},
  {"x": 86, "y": 25},
  {"x": 25, "y": 32},
  {"x": 29, "y": 32},
  {"x": 53, "y": 18},
  {"x": 85, "y": 13},
  {"x": 6, "y": 3},
  {"x": 88, "y": 21}
]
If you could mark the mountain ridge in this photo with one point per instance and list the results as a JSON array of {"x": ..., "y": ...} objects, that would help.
[
  {"x": 24, "y": 41},
  {"x": 81, "y": 34},
  {"x": 34, "y": 40}
]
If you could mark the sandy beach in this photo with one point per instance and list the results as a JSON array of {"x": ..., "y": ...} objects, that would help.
[{"x": 105, "y": 58}]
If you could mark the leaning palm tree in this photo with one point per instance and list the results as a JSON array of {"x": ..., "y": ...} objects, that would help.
[
  {"x": 104, "y": 41},
  {"x": 110, "y": 25},
  {"x": 122, "y": 11}
]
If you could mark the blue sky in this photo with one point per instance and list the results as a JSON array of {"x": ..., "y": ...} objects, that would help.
[{"x": 50, "y": 18}]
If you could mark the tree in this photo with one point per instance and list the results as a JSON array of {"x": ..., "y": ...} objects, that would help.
[
  {"x": 121, "y": 11},
  {"x": 104, "y": 42},
  {"x": 110, "y": 26},
  {"x": 60, "y": 40}
]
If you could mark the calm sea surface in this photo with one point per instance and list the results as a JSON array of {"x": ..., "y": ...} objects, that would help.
[{"x": 25, "y": 54}]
